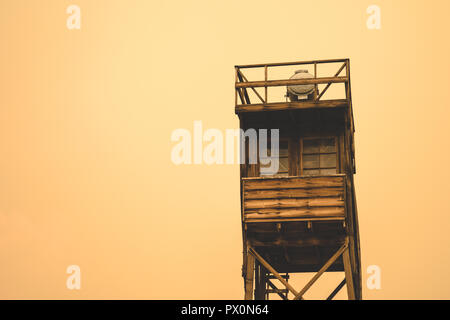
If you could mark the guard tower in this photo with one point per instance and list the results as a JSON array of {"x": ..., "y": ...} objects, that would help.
[{"x": 303, "y": 218}]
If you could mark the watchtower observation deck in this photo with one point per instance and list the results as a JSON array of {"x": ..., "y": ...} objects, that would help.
[{"x": 302, "y": 218}]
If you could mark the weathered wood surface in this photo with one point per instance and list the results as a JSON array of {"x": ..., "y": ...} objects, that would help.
[
  {"x": 296, "y": 225},
  {"x": 277, "y": 64},
  {"x": 293, "y": 202},
  {"x": 351, "y": 293},
  {"x": 300, "y": 242},
  {"x": 289, "y": 182},
  {"x": 249, "y": 275},
  {"x": 279, "y": 106},
  {"x": 287, "y": 82},
  {"x": 301, "y": 219},
  {"x": 294, "y": 193},
  {"x": 294, "y": 197},
  {"x": 329, "y": 84},
  {"x": 294, "y": 212}
]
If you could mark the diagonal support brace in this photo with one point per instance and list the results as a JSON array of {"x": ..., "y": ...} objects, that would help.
[
  {"x": 272, "y": 270},
  {"x": 322, "y": 270}
]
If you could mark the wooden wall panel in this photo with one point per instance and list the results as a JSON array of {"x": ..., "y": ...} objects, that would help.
[{"x": 294, "y": 197}]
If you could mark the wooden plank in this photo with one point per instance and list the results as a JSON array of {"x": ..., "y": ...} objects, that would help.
[
  {"x": 294, "y": 193},
  {"x": 293, "y": 63},
  {"x": 334, "y": 175},
  {"x": 294, "y": 268},
  {"x": 333, "y": 258},
  {"x": 305, "y": 242},
  {"x": 293, "y": 154},
  {"x": 302, "y": 219},
  {"x": 341, "y": 153},
  {"x": 287, "y": 82},
  {"x": 295, "y": 213},
  {"x": 304, "y": 182},
  {"x": 294, "y": 202},
  {"x": 296, "y": 231},
  {"x": 279, "y": 106}
]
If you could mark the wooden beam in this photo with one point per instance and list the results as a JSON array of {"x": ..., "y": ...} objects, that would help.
[
  {"x": 287, "y": 82},
  {"x": 295, "y": 63},
  {"x": 241, "y": 95},
  {"x": 238, "y": 91},
  {"x": 335, "y": 291},
  {"x": 279, "y": 106},
  {"x": 294, "y": 193},
  {"x": 322, "y": 270},
  {"x": 252, "y": 251},
  {"x": 247, "y": 98},
  {"x": 265, "y": 88},
  {"x": 348, "y": 275},
  {"x": 260, "y": 281},
  {"x": 294, "y": 213},
  {"x": 294, "y": 219},
  {"x": 259, "y": 183},
  {"x": 249, "y": 277},
  {"x": 277, "y": 291},
  {"x": 254, "y": 90},
  {"x": 294, "y": 202},
  {"x": 329, "y": 84},
  {"x": 308, "y": 242}
]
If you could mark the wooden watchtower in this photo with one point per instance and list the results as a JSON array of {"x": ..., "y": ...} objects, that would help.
[{"x": 304, "y": 217}]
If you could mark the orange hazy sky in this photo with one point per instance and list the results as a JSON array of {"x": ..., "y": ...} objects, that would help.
[{"x": 86, "y": 118}]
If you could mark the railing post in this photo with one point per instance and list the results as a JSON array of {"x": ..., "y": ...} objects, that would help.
[
  {"x": 235, "y": 89},
  {"x": 316, "y": 86},
  {"x": 265, "y": 79},
  {"x": 347, "y": 84}
]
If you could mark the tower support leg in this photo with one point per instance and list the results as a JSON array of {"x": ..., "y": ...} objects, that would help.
[
  {"x": 349, "y": 275},
  {"x": 260, "y": 281},
  {"x": 249, "y": 274}
]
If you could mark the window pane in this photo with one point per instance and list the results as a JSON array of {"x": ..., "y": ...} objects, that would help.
[
  {"x": 310, "y": 161},
  {"x": 311, "y": 146},
  {"x": 310, "y": 172},
  {"x": 328, "y": 145},
  {"x": 283, "y": 165},
  {"x": 283, "y": 149},
  {"x": 328, "y": 160},
  {"x": 318, "y": 154},
  {"x": 328, "y": 171}
]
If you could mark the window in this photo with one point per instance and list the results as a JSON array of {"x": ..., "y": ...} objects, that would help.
[
  {"x": 319, "y": 156},
  {"x": 283, "y": 163}
]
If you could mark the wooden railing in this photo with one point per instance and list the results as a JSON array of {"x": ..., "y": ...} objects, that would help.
[
  {"x": 245, "y": 103},
  {"x": 294, "y": 198}
]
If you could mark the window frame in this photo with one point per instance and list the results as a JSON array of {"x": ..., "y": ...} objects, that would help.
[{"x": 336, "y": 152}]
